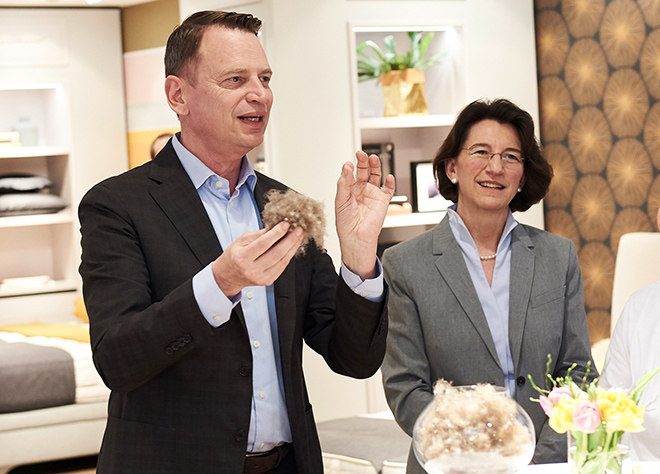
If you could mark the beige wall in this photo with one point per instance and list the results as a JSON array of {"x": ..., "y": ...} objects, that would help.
[{"x": 148, "y": 25}]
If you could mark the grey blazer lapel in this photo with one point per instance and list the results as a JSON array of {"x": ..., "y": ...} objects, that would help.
[
  {"x": 522, "y": 276},
  {"x": 178, "y": 198},
  {"x": 451, "y": 265}
]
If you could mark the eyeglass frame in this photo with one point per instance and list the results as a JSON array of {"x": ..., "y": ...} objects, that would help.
[{"x": 491, "y": 155}]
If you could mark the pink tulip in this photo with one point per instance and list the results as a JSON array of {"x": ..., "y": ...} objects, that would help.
[
  {"x": 546, "y": 405},
  {"x": 586, "y": 416},
  {"x": 557, "y": 393}
]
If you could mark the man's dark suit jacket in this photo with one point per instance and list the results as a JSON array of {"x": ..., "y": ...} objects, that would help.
[{"x": 181, "y": 389}]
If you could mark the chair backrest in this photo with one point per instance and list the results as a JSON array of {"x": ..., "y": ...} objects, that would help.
[{"x": 637, "y": 265}]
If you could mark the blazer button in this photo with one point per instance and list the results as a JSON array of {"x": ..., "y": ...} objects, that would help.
[
  {"x": 244, "y": 371},
  {"x": 520, "y": 381},
  {"x": 239, "y": 435},
  {"x": 182, "y": 341},
  {"x": 187, "y": 338}
]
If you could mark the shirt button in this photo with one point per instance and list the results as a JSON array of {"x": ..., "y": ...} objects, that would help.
[
  {"x": 262, "y": 394},
  {"x": 256, "y": 344},
  {"x": 217, "y": 318},
  {"x": 231, "y": 203},
  {"x": 363, "y": 294},
  {"x": 249, "y": 295},
  {"x": 261, "y": 446},
  {"x": 218, "y": 184}
]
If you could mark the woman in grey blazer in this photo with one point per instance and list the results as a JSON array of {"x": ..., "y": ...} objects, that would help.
[{"x": 481, "y": 298}]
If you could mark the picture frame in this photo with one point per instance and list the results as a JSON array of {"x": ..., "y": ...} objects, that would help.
[
  {"x": 426, "y": 197},
  {"x": 384, "y": 151}
]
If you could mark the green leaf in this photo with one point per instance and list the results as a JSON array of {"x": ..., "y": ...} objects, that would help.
[
  {"x": 414, "y": 53},
  {"x": 641, "y": 385},
  {"x": 386, "y": 60},
  {"x": 424, "y": 44},
  {"x": 390, "y": 45},
  {"x": 373, "y": 45}
]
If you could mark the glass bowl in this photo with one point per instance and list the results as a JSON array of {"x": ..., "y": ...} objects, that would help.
[{"x": 473, "y": 429}]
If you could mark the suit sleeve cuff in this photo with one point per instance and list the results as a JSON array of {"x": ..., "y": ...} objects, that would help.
[
  {"x": 371, "y": 289},
  {"x": 212, "y": 302}
]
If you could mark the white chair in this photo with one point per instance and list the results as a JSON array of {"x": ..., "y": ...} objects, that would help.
[{"x": 637, "y": 265}]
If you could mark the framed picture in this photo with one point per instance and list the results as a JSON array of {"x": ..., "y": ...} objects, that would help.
[
  {"x": 384, "y": 151},
  {"x": 426, "y": 197}
]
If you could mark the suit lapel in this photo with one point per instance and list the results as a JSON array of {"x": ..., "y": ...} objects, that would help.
[
  {"x": 522, "y": 275},
  {"x": 178, "y": 198},
  {"x": 284, "y": 286},
  {"x": 451, "y": 265}
]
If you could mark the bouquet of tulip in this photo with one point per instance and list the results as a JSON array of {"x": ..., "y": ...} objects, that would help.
[{"x": 595, "y": 419}]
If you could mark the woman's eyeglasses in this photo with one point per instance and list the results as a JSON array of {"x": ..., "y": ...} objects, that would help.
[{"x": 510, "y": 158}]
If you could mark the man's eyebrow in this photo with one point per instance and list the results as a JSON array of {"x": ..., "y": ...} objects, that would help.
[{"x": 231, "y": 72}]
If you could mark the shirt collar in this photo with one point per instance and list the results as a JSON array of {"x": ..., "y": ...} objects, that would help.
[
  {"x": 461, "y": 232},
  {"x": 199, "y": 172}
]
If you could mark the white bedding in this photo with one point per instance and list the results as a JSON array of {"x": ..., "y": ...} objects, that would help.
[{"x": 89, "y": 385}]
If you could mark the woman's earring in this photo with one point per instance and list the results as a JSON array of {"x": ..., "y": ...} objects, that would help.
[
  {"x": 520, "y": 189},
  {"x": 454, "y": 181}
]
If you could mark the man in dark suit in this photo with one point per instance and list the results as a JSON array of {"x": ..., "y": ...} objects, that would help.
[{"x": 197, "y": 314}]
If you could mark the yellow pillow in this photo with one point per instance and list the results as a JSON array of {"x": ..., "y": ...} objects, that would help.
[
  {"x": 66, "y": 331},
  {"x": 79, "y": 310}
]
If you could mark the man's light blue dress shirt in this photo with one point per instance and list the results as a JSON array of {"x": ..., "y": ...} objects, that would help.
[
  {"x": 232, "y": 216},
  {"x": 494, "y": 298}
]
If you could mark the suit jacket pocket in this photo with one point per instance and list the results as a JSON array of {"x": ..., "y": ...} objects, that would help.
[{"x": 548, "y": 297}]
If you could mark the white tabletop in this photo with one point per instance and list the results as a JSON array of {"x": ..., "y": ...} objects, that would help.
[{"x": 630, "y": 467}]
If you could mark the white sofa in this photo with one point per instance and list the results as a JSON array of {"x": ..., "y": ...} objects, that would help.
[{"x": 50, "y": 434}]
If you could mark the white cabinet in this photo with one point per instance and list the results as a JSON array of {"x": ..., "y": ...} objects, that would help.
[
  {"x": 68, "y": 80},
  {"x": 38, "y": 245}
]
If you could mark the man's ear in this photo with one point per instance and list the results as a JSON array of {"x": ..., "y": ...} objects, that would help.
[{"x": 174, "y": 86}]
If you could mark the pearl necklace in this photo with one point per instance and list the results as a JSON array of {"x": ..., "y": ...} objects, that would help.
[{"x": 487, "y": 257}]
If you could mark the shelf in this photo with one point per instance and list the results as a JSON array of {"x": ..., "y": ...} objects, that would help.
[
  {"x": 63, "y": 217},
  {"x": 53, "y": 286},
  {"x": 32, "y": 86},
  {"x": 32, "y": 151},
  {"x": 416, "y": 218},
  {"x": 410, "y": 121}
]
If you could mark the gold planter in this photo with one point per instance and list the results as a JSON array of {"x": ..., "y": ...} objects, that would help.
[{"x": 404, "y": 93}]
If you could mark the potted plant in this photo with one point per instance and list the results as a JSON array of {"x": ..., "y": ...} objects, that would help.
[{"x": 401, "y": 75}]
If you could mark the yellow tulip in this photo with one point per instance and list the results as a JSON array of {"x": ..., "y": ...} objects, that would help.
[
  {"x": 619, "y": 412},
  {"x": 562, "y": 416}
]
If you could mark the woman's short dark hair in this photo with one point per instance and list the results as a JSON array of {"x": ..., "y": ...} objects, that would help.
[
  {"x": 183, "y": 43},
  {"x": 537, "y": 171}
]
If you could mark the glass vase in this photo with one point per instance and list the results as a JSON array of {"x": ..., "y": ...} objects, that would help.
[
  {"x": 586, "y": 455},
  {"x": 473, "y": 430}
]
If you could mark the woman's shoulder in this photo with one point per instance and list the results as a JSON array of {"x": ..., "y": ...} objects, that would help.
[
  {"x": 544, "y": 237},
  {"x": 419, "y": 243}
]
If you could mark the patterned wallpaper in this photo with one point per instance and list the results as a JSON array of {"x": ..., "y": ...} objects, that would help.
[{"x": 599, "y": 97}]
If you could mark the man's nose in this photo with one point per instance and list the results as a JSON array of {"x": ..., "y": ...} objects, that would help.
[{"x": 256, "y": 89}]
